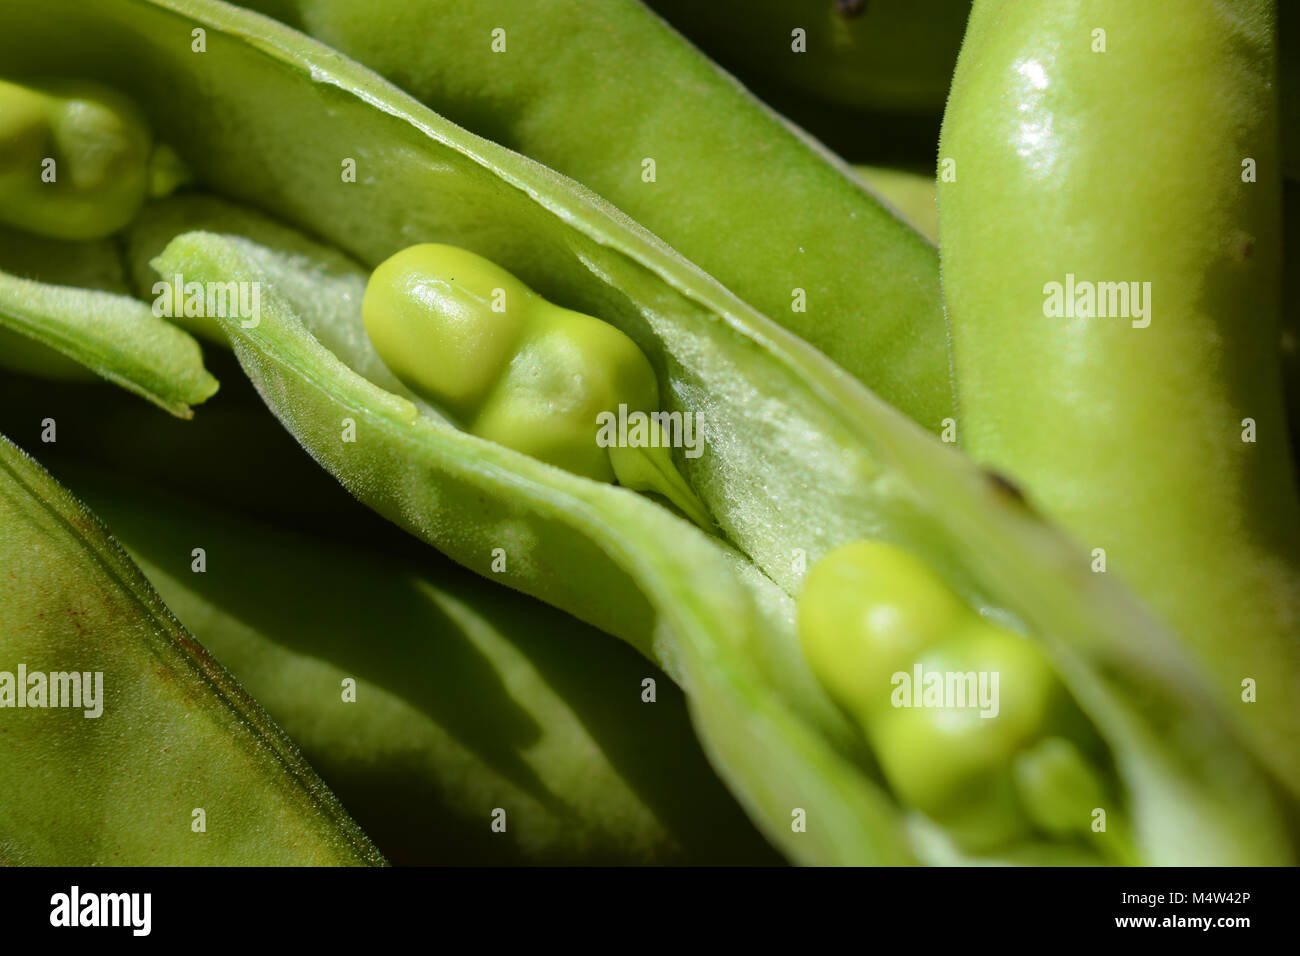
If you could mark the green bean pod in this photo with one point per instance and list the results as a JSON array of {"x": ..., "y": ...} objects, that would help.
[
  {"x": 691, "y": 155},
  {"x": 805, "y": 459},
  {"x": 1111, "y": 267},
  {"x": 66, "y": 310},
  {"x": 149, "y": 752},
  {"x": 911, "y": 192},
  {"x": 468, "y": 697},
  {"x": 439, "y": 700}
]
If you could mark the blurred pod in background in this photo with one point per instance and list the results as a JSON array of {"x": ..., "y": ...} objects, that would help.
[
  {"x": 889, "y": 55},
  {"x": 869, "y": 78},
  {"x": 223, "y": 456},
  {"x": 1289, "y": 110},
  {"x": 1290, "y": 313}
]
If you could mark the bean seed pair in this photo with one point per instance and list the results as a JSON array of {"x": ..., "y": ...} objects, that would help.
[
  {"x": 520, "y": 371},
  {"x": 77, "y": 159},
  {"x": 967, "y": 719}
]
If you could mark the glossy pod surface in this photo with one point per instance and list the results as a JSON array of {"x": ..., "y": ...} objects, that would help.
[{"x": 1146, "y": 417}]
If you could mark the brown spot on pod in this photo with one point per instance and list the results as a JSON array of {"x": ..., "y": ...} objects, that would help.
[{"x": 1005, "y": 487}]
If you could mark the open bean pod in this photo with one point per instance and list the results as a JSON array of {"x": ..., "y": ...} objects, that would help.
[
  {"x": 691, "y": 155},
  {"x": 800, "y": 458},
  {"x": 468, "y": 700}
]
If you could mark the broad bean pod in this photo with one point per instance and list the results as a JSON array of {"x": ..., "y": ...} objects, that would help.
[
  {"x": 67, "y": 312},
  {"x": 236, "y": 792},
  {"x": 77, "y": 162},
  {"x": 468, "y": 698},
  {"x": 1150, "y": 422},
  {"x": 805, "y": 460},
  {"x": 605, "y": 92}
]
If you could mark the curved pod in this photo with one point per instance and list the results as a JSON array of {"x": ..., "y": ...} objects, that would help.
[{"x": 1110, "y": 247}]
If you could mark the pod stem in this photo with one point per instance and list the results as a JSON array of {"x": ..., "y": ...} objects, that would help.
[
  {"x": 167, "y": 172},
  {"x": 652, "y": 469}
]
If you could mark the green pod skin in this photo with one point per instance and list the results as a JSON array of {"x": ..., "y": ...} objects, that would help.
[
  {"x": 755, "y": 203},
  {"x": 91, "y": 265},
  {"x": 912, "y": 193},
  {"x": 517, "y": 370},
  {"x": 100, "y": 144},
  {"x": 105, "y": 165},
  {"x": 468, "y": 697},
  {"x": 1130, "y": 431},
  {"x": 877, "y": 626},
  {"x": 170, "y": 733},
  {"x": 27, "y": 357}
]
